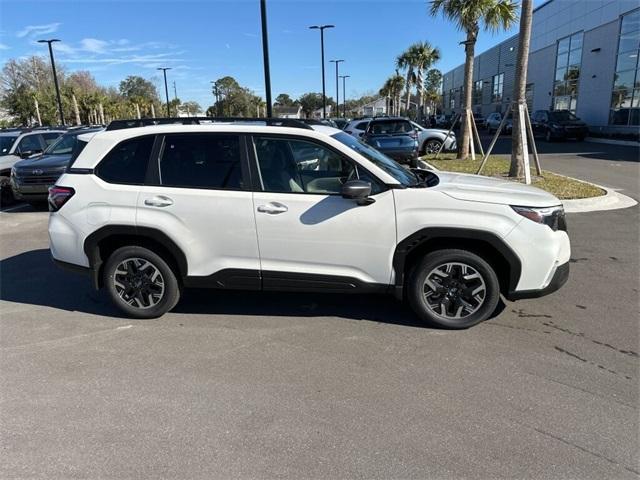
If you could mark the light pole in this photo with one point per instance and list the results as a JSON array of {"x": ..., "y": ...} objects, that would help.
[
  {"x": 166, "y": 89},
  {"x": 324, "y": 95},
  {"x": 344, "y": 95},
  {"x": 265, "y": 56},
  {"x": 337, "y": 88},
  {"x": 55, "y": 77}
]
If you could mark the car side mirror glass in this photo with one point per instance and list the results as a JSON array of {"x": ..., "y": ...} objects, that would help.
[
  {"x": 358, "y": 190},
  {"x": 26, "y": 154}
]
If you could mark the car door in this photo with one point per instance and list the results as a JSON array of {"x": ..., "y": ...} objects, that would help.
[
  {"x": 197, "y": 192},
  {"x": 310, "y": 237}
]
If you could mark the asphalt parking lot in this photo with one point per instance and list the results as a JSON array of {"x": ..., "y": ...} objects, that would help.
[{"x": 248, "y": 385}]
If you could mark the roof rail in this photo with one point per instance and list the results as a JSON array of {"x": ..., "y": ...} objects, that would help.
[{"x": 145, "y": 122}]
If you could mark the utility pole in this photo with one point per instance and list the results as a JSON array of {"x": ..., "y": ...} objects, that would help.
[
  {"x": 55, "y": 77},
  {"x": 324, "y": 95},
  {"x": 337, "y": 62},
  {"x": 166, "y": 90},
  {"x": 265, "y": 55},
  {"x": 344, "y": 95}
]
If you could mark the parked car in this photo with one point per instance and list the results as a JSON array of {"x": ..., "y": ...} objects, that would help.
[
  {"x": 493, "y": 122},
  {"x": 357, "y": 127},
  {"x": 319, "y": 121},
  {"x": 430, "y": 140},
  {"x": 340, "y": 122},
  {"x": 479, "y": 119},
  {"x": 397, "y": 138},
  {"x": 443, "y": 121},
  {"x": 558, "y": 125},
  {"x": 146, "y": 212},
  {"x": 17, "y": 144},
  {"x": 32, "y": 177}
]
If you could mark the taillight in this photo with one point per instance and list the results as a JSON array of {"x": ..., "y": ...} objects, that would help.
[{"x": 58, "y": 196}]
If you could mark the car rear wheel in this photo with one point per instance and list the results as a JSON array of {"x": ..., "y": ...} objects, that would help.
[
  {"x": 431, "y": 147},
  {"x": 453, "y": 289},
  {"x": 6, "y": 195},
  {"x": 140, "y": 282}
]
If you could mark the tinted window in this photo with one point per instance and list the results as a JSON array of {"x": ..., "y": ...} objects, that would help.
[
  {"x": 6, "y": 143},
  {"x": 30, "y": 143},
  {"x": 390, "y": 127},
  {"x": 62, "y": 146},
  {"x": 49, "y": 138},
  {"x": 361, "y": 126},
  {"x": 201, "y": 161},
  {"x": 298, "y": 166},
  {"x": 77, "y": 150},
  {"x": 127, "y": 162}
]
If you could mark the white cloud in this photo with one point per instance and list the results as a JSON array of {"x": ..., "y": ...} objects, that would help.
[
  {"x": 93, "y": 45},
  {"x": 32, "y": 30},
  {"x": 4, "y": 47}
]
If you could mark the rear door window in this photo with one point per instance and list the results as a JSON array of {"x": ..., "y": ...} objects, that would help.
[
  {"x": 390, "y": 127},
  {"x": 127, "y": 162},
  {"x": 201, "y": 161}
]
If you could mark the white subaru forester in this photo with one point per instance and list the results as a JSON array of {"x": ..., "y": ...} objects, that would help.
[{"x": 276, "y": 205}]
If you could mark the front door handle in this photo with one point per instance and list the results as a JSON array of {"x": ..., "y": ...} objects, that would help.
[
  {"x": 158, "y": 201},
  {"x": 273, "y": 208}
]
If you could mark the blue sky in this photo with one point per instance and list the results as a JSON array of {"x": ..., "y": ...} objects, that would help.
[{"x": 207, "y": 39}]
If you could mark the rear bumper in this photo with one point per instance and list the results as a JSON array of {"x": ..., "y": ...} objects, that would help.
[
  {"x": 559, "y": 278},
  {"x": 401, "y": 156}
]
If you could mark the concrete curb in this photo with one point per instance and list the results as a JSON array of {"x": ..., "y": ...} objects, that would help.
[
  {"x": 608, "y": 141},
  {"x": 611, "y": 200}
]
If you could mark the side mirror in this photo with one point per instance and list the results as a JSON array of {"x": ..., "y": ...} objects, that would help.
[
  {"x": 26, "y": 154},
  {"x": 358, "y": 190}
]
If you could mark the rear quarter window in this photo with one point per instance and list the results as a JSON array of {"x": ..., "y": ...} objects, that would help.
[{"x": 127, "y": 162}]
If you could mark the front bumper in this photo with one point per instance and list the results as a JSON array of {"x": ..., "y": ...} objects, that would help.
[
  {"x": 402, "y": 156},
  {"x": 30, "y": 191},
  {"x": 559, "y": 278}
]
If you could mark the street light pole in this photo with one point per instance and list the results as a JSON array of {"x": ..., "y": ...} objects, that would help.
[
  {"x": 344, "y": 95},
  {"x": 337, "y": 88},
  {"x": 324, "y": 95},
  {"x": 55, "y": 77},
  {"x": 265, "y": 55},
  {"x": 166, "y": 89}
]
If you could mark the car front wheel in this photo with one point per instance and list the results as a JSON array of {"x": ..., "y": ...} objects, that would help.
[
  {"x": 453, "y": 289},
  {"x": 431, "y": 147},
  {"x": 140, "y": 282}
]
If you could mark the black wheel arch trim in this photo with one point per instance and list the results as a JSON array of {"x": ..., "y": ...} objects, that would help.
[
  {"x": 415, "y": 240},
  {"x": 92, "y": 246}
]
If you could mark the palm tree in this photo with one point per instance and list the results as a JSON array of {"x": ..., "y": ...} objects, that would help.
[
  {"x": 468, "y": 15},
  {"x": 407, "y": 60},
  {"x": 392, "y": 88},
  {"x": 425, "y": 56},
  {"x": 520, "y": 88}
]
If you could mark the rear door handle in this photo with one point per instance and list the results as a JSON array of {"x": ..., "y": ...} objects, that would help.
[
  {"x": 158, "y": 201},
  {"x": 273, "y": 208}
]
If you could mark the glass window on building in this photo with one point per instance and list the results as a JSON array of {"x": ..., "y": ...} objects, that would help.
[
  {"x": 477, "y": 93},
  {"x": 497, "y": 86},
  {"x": 567, "y": 77},
  {"x": 625, "y": 99},
  {"x": 452, "y": 99}
]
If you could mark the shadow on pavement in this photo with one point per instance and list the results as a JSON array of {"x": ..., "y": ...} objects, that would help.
[{"x": 32, "y": 278}]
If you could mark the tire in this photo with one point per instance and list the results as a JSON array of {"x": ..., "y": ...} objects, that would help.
[
  {"x": 149, "y": 297},
  {"x": 431, "y": 146},
  {"x": 6, "y": 194},
  {"x": 548, "y": 137},
  {"x": 461, "y": 309}
]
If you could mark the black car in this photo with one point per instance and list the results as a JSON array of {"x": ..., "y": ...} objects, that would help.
[
  {"x": 558, "y": 125},
  {"x": 395, "y": 137},
  {"x": 32, "y": 177}
]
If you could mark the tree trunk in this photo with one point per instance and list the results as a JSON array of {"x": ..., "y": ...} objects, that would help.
[
  {"x": 465, "y": 134},
  {"x": 101, "y": 110},
  {"x": 35, "y": 101},
  {"x": 138, "y": 111},
  {"x": 153, "y": 111},
  {"x": 520, "y": 89},
  {"x": 408, "y": 105},
  {"x": 76, "y": 111},
  {"x": 421, "y": 88}
]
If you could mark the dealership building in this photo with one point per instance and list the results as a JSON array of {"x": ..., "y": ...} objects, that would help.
[{"x": 583, "y": 57}]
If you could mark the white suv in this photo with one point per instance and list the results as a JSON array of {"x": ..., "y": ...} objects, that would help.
[{"x": 149, "y": 210}]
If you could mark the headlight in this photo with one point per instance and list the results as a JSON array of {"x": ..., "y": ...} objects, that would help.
[{"x": 553, "y": 217}]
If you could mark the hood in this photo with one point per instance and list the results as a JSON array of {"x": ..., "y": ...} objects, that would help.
[
  {"x": 45, "y": 161},
  {"x": 476, "y": 188}
]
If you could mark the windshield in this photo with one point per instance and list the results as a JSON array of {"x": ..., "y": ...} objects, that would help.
[
  {"x": 562, "y": 115},
  {"x": 62, "y": 146},
  {"x": 402, "y": 175},
  {"x": 6, "y": 142}
]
